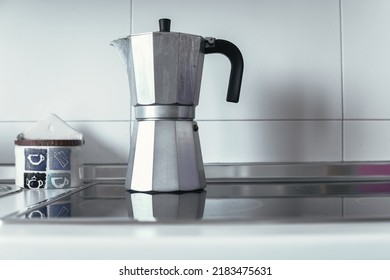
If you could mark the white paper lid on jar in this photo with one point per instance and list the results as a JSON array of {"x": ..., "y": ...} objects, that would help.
[{"x": 50, "y": 131}]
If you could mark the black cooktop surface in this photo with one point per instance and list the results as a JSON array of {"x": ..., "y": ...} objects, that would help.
[{"x": 219, "y": 203}]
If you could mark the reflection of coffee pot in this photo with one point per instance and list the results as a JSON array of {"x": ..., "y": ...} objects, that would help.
[
  {"x": 165, "y": 70},
  {"x": 166, "y": 207}
]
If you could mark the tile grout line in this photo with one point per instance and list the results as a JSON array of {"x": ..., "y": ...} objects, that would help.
[
  {"x": 342, "y": 81},
  {"x": 213, "y": 120},
  {"x": 130, "y": 101}
]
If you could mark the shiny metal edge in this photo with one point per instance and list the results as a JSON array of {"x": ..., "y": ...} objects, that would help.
[
  {"x": 7, "y": 189},
  {"x": 265, "y": 172},
  {"x": 249, "y": 172},
  {"x": 169, "y": 112}
]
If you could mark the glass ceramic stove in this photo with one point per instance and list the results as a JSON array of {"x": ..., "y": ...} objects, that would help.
[{"x": 218, "y": 202}]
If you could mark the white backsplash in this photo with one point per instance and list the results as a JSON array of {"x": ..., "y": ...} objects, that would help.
[{"x": 315, "y": 85}]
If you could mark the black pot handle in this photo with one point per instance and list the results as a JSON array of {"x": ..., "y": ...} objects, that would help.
[{"x": 237, "y": 64}]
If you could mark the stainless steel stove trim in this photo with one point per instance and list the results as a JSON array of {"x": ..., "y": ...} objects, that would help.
[
  {"x": 249, "y": 172},
  {"x": 265, "y": 172},
  {"x": 7, "y": 189}
]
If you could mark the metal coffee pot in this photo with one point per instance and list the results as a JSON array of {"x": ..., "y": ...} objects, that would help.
[{"x": 165, "y": 71}]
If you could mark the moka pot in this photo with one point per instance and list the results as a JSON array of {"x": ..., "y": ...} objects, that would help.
[{"x": 165, "y": 70}]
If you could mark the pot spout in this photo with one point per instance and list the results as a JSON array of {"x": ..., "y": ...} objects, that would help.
[{"x": 121, "y": 46}]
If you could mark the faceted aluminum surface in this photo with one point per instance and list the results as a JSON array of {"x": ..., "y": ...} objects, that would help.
[
  {"x": 165, "y": 68},
  {"x": 165, "y": 156}
]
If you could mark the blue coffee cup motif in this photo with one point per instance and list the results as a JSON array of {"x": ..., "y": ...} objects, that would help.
[
  {"x": 58, "y": 180},
  {"x": 35, "y": 159}
]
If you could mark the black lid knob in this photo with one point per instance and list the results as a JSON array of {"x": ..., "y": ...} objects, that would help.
[{"x": 165, "y": 25}]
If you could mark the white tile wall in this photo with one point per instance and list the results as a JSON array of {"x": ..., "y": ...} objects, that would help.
[
  {"x": 366, "y": 56},
  {"x": 270, "y": 141},
  {"x": 56, "y": 57},
  {"x": 366, "y": 48},
  {"x": 291, "y": 51},
  {"x": 367, "y": 140},
  {"x": 315, "y": 84}
]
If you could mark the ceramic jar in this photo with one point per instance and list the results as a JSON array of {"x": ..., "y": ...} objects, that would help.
[{"x": 50, "y": 164}]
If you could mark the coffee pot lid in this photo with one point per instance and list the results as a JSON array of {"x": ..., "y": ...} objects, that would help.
[{"x": 164, "y": 29}]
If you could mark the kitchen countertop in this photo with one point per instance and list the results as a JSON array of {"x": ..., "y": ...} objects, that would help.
[
  {"x": 339, "y": 238},
  {"x": 192, "y": 241}
]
